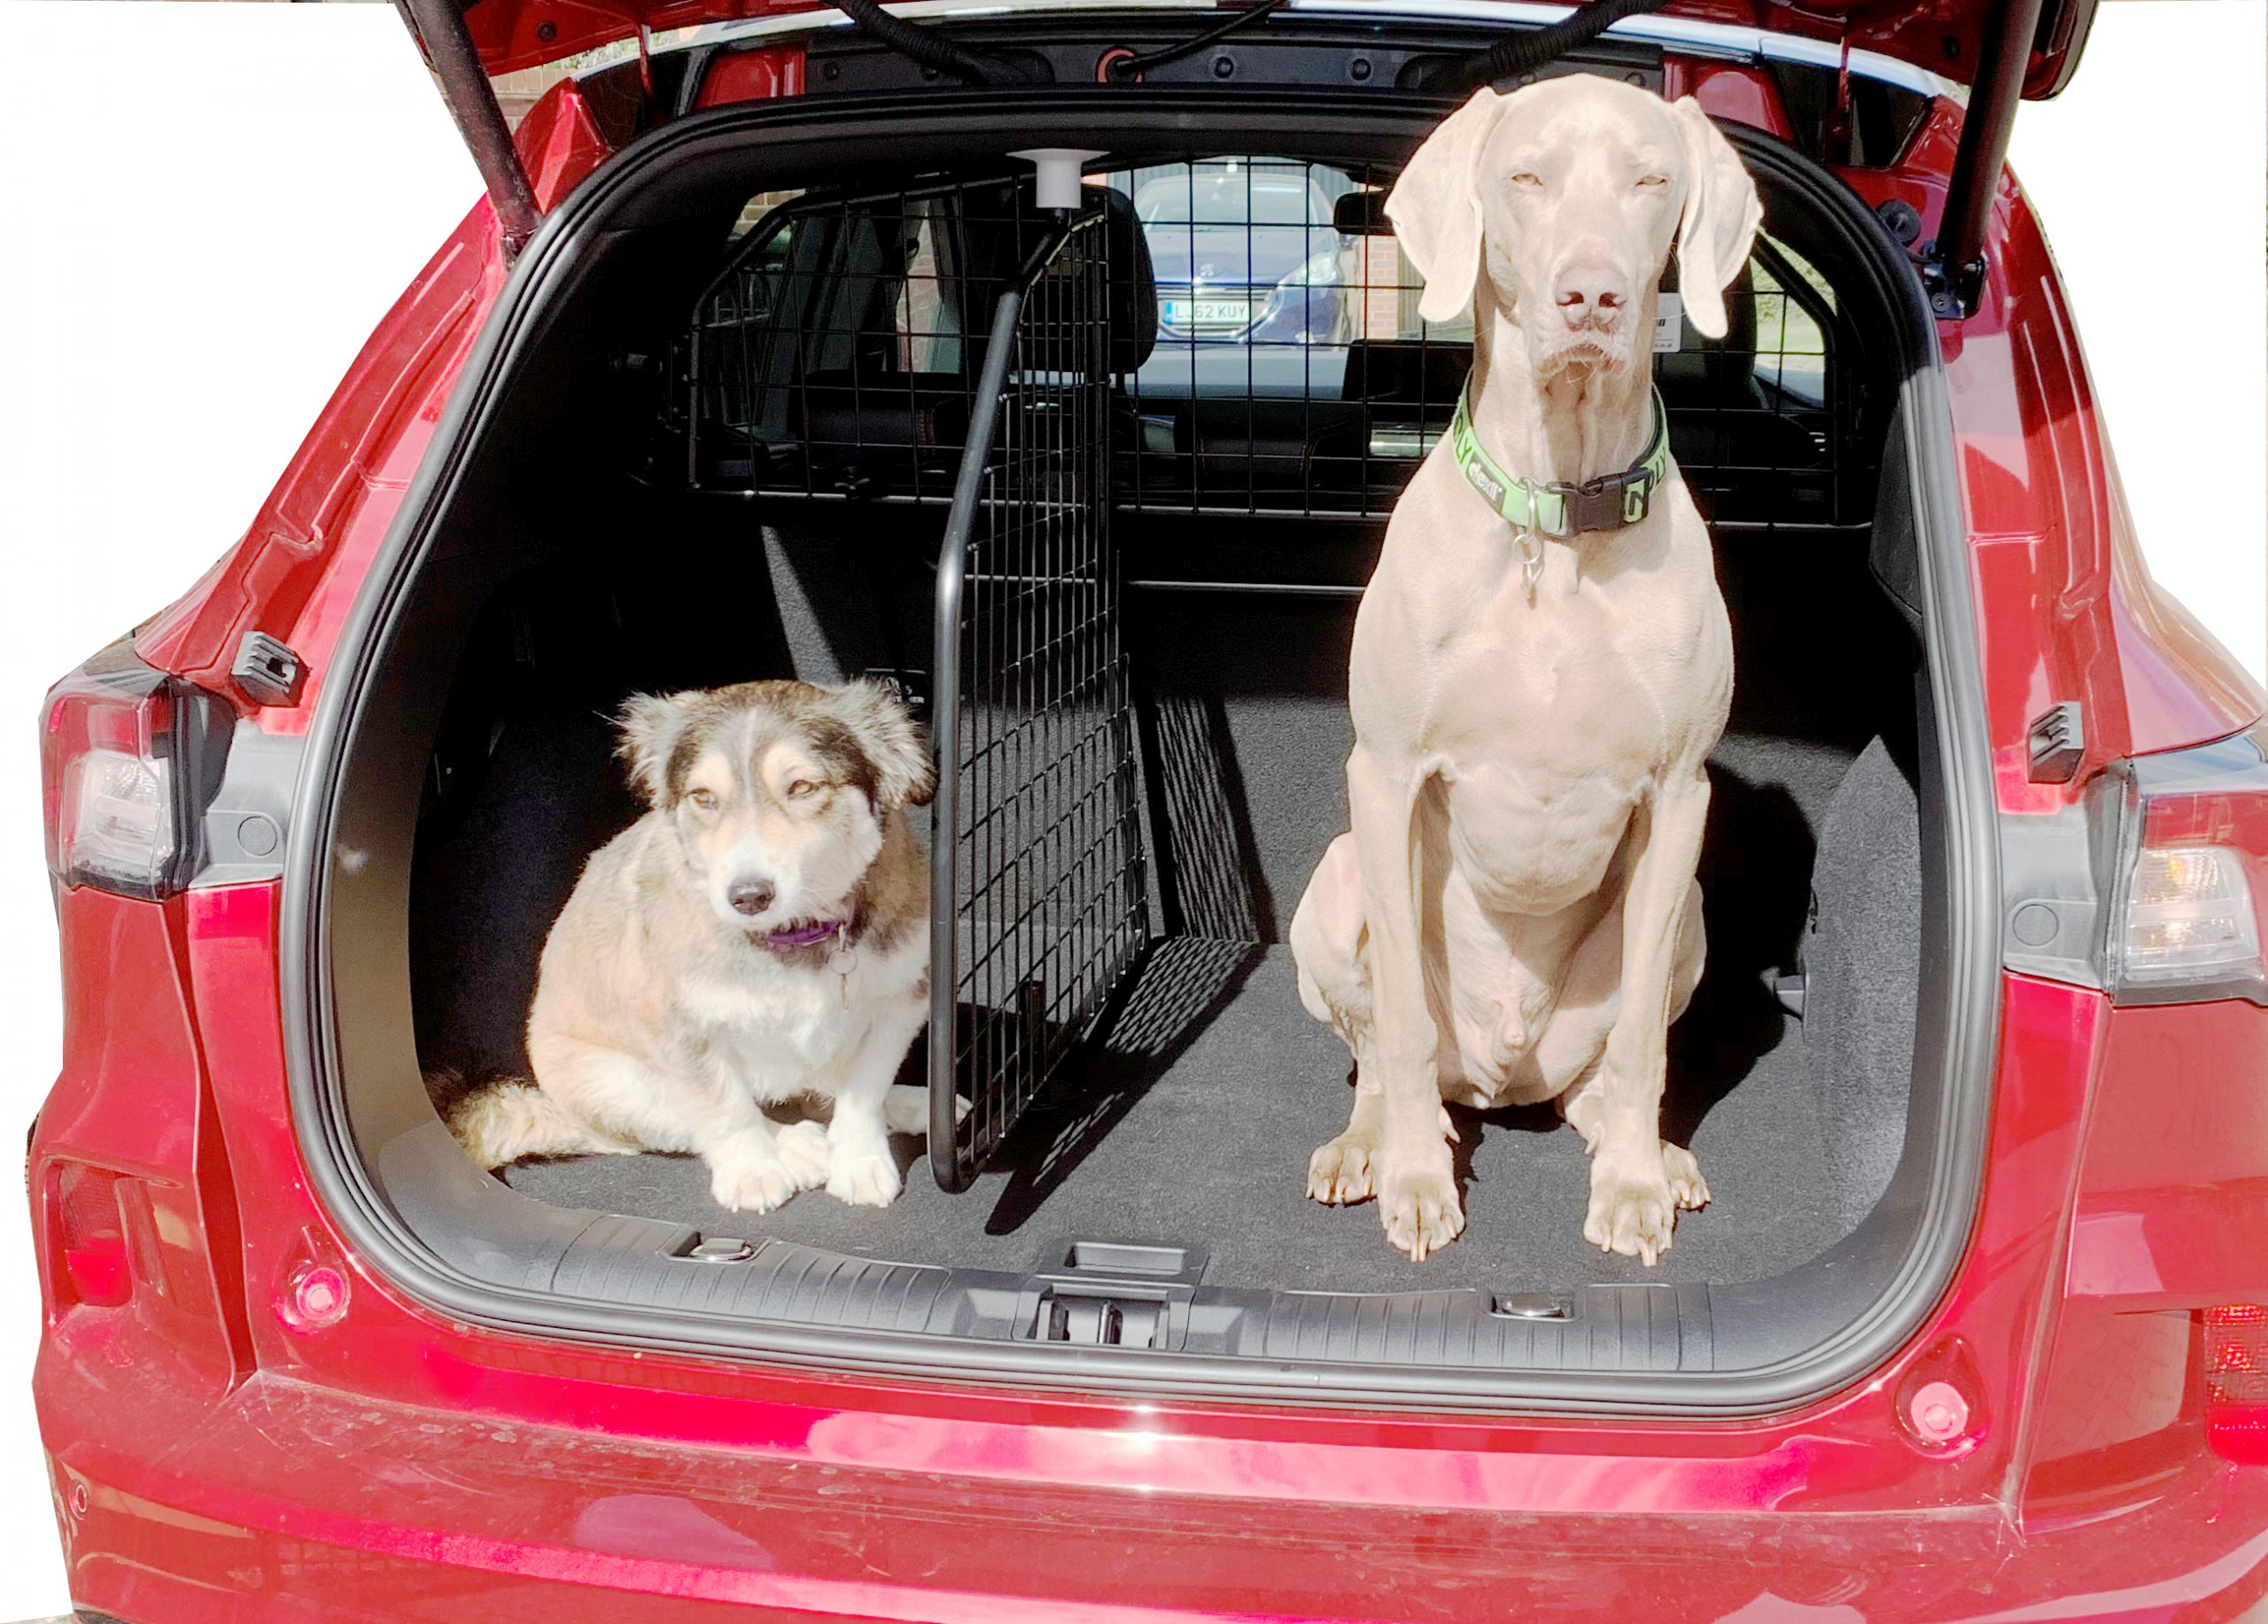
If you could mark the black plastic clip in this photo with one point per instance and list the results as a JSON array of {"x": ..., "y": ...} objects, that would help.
[
  {"x": 269, "y": 672},
  {"x": 2056, "y": 744}
]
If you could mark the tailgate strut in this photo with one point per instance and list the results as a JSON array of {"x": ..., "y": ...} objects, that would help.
[
  {"x": 437, "y": 26},
  {"x": 1952, "y": 266}
]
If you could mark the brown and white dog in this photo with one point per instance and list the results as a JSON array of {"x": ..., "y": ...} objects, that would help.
[
  {"x": 1513, "y": 915},
  {"x": 761, "y": 934}
]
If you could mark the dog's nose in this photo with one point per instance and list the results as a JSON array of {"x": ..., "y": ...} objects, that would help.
[
  {"x": 750, "y": 897},
  {"x": 1591, "y": 293}
]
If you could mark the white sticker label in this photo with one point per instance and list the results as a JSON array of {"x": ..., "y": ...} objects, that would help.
[{"x": 1668, "y": 329}]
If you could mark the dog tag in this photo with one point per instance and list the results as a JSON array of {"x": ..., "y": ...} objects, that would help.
[{"x": 1669, "y": 313}]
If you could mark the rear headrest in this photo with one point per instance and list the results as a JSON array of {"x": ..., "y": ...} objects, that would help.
[
  {"x": 1713, "y": 368},
  {"x": 1406, "y": 372},
  {"x": 1133, "y": 284},
  {"x": 1002, "y": 224}
]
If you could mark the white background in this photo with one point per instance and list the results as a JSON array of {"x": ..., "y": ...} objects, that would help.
[{"x": 210, "y": 207}]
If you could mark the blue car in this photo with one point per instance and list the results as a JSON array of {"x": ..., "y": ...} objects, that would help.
[{"x": 1244, "y": 253}]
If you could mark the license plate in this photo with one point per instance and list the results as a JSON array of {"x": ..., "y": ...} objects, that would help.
[{"x": 1214, "y": 313}]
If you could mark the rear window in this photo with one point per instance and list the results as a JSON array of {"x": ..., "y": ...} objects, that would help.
[
  {"x": 1269, "y": 352},
  {"x": 1233, "y": 194}
]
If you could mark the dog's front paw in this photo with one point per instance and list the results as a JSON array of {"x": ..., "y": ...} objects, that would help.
[
  {"x": 1687, "y": 1187},
  {"x": 1418, "y": 1203},
  {"x": 757, "y": 1170},
  {"x": 804, "y": 1151},
  {"x": 905, "y": 1109},
  {"x": 1338, "y": 1173},
  {"x": 750, "y": 1181},
  {"x": 1632, "y": 1209},
  {"x": 864, "y": 1177}
]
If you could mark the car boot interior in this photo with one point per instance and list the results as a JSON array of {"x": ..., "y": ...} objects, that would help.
[{"x": 600, "y": 541}]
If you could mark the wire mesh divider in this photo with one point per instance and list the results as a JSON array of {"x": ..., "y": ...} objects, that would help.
[
  {"x": 1038, "y": 907},
  {"x": 1281, "y": 369}
]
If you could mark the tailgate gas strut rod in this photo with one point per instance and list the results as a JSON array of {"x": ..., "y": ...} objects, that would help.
[
  {"x": 1952, "y": 266},
  {"x": 437, "y": 26}
]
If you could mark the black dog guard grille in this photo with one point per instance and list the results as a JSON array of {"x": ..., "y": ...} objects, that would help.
[
  {"x": 1038, "y": 906},
  {"x": 1266, "y": 353}
]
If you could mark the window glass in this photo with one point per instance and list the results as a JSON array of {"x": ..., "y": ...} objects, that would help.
[
  {"x": 1791, "y": 344},
  {"x": 1230, "y": 194},
  {"x": 1255, "y": 283},
  {"x": 757, "y": 207},
  {"x": 1260, "y": 293},
  {"x": 928, "y": 313}
]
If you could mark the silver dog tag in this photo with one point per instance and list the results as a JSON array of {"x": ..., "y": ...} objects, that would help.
[{"x": 1531, "y": 547}]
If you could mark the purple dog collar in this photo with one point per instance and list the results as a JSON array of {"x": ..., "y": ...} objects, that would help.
[{"x": 803, "y": 936}]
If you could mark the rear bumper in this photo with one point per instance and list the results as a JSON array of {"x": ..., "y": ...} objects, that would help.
[{"x": 308, "y": 1503}]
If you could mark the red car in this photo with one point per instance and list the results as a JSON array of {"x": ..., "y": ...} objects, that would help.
[{"x": 764, "y": 356}]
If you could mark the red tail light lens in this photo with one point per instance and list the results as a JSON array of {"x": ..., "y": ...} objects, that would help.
[
  {"x": 89, "y": 1231},
  {"x": 126, "y": 769},
  {"x": 2236, "y": 1382}
]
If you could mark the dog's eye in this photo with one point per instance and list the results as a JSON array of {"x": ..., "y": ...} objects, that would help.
[
  {"x": 1653, "y": 179},
  {"x": 1527, "y": 178},
  {"x": 801, "y": 788},
  {"x": 705, "y": 799}
]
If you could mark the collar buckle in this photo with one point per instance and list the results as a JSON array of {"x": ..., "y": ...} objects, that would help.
[{"x": 1606, "y": 503}]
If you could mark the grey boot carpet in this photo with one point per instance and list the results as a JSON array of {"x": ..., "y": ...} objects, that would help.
[
  {"x": 1194, "y": 1121},
  {"x": 1192, "y": 1117}
]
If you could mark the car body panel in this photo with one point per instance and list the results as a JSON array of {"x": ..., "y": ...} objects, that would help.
[
  {"x": 1942, "y": 36},
  {"x": 401, "y": 1463},
  {"x": 343, "y": 486},
  {"x": 1842, "y": 1478},
  {"x": 394, "y": 1464},
  {"x": 2066, "y": 608},
  {"x": 2171, "y": 1203},
  {"x": 2173, "y": 1191},
  {"x": 441, "y": 1512},
  {"x": 2037, "y": 473},
  {"x": 560, "y": 142},
  {"x": 142, "y": 1116}
]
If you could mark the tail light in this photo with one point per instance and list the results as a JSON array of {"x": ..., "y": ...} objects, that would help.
[
  {"x": 90, "y": 1231},
  {"x": 129, "y": 758},
  {"x": 2185, "y": 923},
  {"x": 2236, "y": 1382}
]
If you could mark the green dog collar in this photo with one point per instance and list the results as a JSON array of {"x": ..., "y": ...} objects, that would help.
[{"x": 1559, "y": 511}]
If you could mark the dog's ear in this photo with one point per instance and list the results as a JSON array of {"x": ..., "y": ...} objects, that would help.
[
  {"x": 1435, "y": 207},
  {"x": 1719, "y": 225},
  {"x": 891, "y": 740},
  {"x": 652, "y": 727}
]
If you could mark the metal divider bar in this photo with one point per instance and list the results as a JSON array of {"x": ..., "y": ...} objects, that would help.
[{"x": 1035, "y": 847}]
